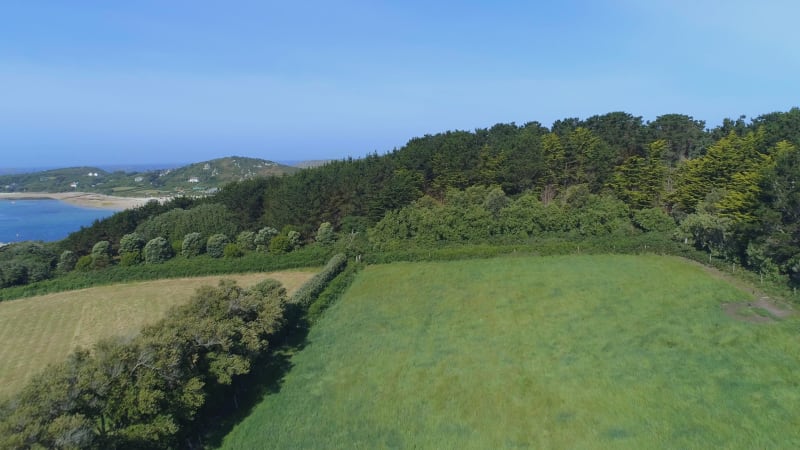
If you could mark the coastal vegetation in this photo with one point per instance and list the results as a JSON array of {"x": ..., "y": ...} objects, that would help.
[{"x": 582, "y": 207}]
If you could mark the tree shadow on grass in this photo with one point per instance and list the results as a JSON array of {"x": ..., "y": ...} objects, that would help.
[{"x": 222, "y": 414}]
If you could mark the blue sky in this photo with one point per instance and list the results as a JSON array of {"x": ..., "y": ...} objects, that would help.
[{"x": 99, "y": 82}]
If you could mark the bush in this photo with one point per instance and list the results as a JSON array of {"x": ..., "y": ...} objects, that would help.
[
  {"x": 130, "y": 259},
  {"x": 279, "y": 244},
  {"x": 193, "y": 245},
  {"x": 101, "y": 255},
  {"x": 285, "y": 242},
  {"x": 325, "y": 234},
  {"x": 264, "y": 237},
  {"x": 653, "y": 219},
  {"x": 215, "y": 247},
  {"x": 67, "y": 261},
  {"x": 246, "y": 240},
  {"x": 131, "y": 243},
  {"x": 84, "y": 263},
  {"x": 233, "y": 251},
  {"x": 157, "y": 251}
]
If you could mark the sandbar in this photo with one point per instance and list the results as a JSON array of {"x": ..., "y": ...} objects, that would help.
[{"x": 84, "y": 199}]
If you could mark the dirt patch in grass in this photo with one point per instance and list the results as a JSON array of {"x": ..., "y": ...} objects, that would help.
[{"x": 763, "y": 310}]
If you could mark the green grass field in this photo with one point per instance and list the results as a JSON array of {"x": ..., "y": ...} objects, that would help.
[
  {"x": 550, "y": 352},
  {"x": 43, "y": 330}
]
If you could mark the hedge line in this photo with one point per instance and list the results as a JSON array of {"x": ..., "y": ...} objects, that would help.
[
  {"x": 309, "y": 291},
  {"x": 174, "y": 268}
]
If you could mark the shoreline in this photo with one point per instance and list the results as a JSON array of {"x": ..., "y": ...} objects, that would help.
[{"x": 84, "y": 199}]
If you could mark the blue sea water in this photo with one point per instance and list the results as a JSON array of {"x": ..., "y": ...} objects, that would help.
[{"x": 44, "y": 220}]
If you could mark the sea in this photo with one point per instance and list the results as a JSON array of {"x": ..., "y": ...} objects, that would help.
[{"x": 44, "y": 219}]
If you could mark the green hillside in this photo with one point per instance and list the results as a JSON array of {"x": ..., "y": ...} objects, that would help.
[
  {"x": 550, "y": 352},
  {"x": 198, "y": 178}
]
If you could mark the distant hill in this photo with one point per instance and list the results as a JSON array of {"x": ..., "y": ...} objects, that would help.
[{"x": 198, "y": 178}]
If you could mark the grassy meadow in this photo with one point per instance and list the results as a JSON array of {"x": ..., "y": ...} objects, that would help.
[
  {"x": 42, "y": 330},
  {"x": 540, "y": 352}
]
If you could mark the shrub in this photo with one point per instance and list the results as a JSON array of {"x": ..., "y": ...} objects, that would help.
[
  {"x": 653, "y": 219},
  {"x": 157, "y": 251},
  {"x": 279, "y": 244},
  {"x": 131, "y": 243},
  {"x": 67, "y": 261},
  {"x": 130, "y": 259},
  {"x": 101, "y": 255},
  {"x": 285, "y": 242},
  {"x": 246, "y": 240},
  {"x": 84, "y": 263},
  {"x": 233, "y": 251},
  {"x": 215, "y": 247},
  {"x": 193, "y": 245},
  {"x": 264, "y": 237},
  {"x": 325, "y": 234}
]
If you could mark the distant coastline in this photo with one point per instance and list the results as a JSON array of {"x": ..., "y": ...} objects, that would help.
[{"x": 84, "y": 199}]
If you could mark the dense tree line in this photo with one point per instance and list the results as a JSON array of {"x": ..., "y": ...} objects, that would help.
[{"x": 730, "y": 188}]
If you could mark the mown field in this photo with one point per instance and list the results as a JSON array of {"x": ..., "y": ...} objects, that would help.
[
  {"x": 42, "y": 330},
  {"x": 536, "y": 352}
]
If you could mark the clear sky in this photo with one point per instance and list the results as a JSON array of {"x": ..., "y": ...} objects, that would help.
[{"x": 158, "y": 81}]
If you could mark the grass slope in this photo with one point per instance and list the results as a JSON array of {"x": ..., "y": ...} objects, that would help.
[
  {"x": 43, "y": 330},
  {"x": 550, "y": 352}
]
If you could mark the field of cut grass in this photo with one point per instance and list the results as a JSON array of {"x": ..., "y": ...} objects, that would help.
[
  {"x": 549, "y": 352},
  {"x": 42, "y": 330}
]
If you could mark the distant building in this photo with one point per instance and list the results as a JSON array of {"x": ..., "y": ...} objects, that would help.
[
  {"x": 194, "y": 180},
  {"x": 138, "y": 179},
  {"x": 74, "y": 185}
]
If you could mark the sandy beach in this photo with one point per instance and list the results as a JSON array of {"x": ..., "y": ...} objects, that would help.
[{"x": 83, "y": 199}]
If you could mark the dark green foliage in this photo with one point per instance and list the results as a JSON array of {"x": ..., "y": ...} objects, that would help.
[
  {"x": 12, "y": 274},
  {"x": 193, "y": 245},
  {"x": 545, "y": 181},
  {"x": 215, "y": 246},
  {"x": 685, "y": 137},
  {"x": 113, "y": 228},
  {"x": 206, "y": 219},
  {"x": 157, "y": 251},
  {"x": 26, "y": 262}
]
